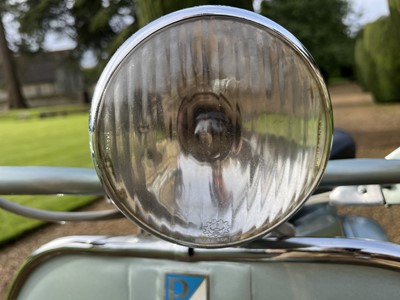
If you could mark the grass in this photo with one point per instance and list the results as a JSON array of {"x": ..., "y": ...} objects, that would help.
[{"x": 55, "y": 141}]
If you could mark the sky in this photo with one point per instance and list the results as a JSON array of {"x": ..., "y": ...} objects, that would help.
[{"x": 367, "y": 11}]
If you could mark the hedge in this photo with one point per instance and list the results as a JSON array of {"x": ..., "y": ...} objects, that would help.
[{"x": 377, "y": 56}]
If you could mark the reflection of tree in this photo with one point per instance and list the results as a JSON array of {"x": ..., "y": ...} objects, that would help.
[{"x": 148, "y": 123}]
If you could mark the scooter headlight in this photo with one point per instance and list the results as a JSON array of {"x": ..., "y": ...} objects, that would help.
[{"x": 210, "y": 126}]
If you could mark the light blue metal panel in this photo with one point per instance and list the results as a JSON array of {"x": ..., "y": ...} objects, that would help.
[
  {"x": 309, "y": 281},
  {"x": 92, "y": 277},
  {"x": 78, "y": 278}
]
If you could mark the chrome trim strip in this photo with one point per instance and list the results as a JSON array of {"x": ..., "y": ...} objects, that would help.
[{"x": 318, "y": 250}]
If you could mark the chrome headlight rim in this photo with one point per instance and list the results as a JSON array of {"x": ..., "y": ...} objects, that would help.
[{"x": 169, "y": 20}]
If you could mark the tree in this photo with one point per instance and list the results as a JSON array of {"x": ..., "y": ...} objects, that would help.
[
  {"x": 98, "y": 25},
  {"x": 319, "y": 25},
  {"x": 148, "y": 11},
  {"x": 15, "y": 96}
]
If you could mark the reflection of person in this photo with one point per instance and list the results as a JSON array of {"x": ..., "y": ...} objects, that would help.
[
  {"x": 207, "y": 126},
  {"x": 219, "y": 188},
  {"x": 217, "y": 172},
  {"x": 209, "y": 184},
  {"x": 221, "y": 191}
]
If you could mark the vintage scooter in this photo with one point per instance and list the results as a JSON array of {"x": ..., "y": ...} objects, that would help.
[{"x": 211, "y": 129}]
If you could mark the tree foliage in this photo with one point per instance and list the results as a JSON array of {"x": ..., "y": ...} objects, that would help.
[
  {"x": 96, "y": 25},
  {"x": 148, "y": 11},
  {"x": 99, "y": 26},
  {"x": 319, "y": 25}
]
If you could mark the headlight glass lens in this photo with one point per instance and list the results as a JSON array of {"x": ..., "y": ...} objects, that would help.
[{"x": 211, "y": 130}]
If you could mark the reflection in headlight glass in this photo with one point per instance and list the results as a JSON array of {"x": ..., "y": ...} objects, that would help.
[{"x": 211, "y": 131}]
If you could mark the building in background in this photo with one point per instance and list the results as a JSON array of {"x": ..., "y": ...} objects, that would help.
[{"x": 47, "y": 78}]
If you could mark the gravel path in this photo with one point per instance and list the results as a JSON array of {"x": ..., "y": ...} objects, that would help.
[{"x": 375, "y": 128}]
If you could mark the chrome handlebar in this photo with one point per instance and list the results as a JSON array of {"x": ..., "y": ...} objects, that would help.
[{"x": 84, "y": 181}]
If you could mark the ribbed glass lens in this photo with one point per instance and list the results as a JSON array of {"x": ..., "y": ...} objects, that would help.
[{"x": 211, "y": 131}]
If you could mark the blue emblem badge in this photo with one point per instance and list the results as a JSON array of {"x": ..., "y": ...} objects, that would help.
[{"x": 186, "y": 287}]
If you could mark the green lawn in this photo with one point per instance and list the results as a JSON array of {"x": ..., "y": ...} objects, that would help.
[{"x": 55, "y": 141}]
